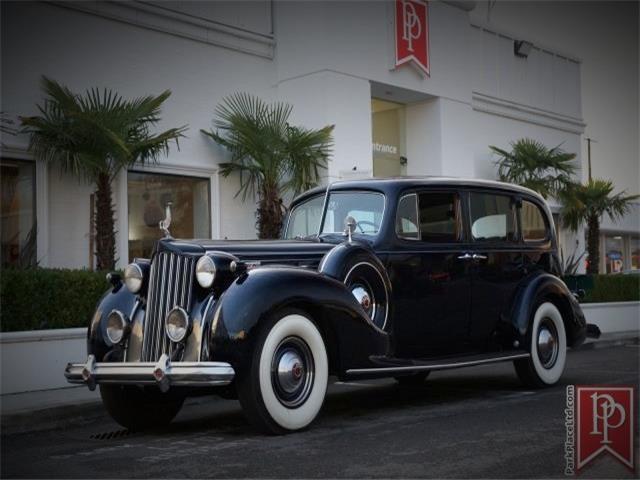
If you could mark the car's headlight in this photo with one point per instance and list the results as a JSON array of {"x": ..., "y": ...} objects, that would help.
[
  {"x": 177, "y": 324},
  {"x": 116, "y": 326},
  {"x": 205, "y": 271},
  {"x": 133, "y": 277}
]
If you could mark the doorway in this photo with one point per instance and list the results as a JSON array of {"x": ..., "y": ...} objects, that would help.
[{"x": 388, "y": 123}]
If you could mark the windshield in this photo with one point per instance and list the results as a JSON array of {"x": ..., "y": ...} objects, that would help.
[
  {"x": 304, "y": 219},
  {"x": 365, "y": 207}
]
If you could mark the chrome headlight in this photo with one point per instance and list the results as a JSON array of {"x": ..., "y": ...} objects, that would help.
[
  {"x": 176, "y": 324},
  {"x": 133, "y": 277},
  {"x": 205, "y": 271},
  {"x": 116, "y": 325}
]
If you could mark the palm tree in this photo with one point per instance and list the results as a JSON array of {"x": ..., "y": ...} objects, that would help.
[
  {"x": 95, "y": 136},
  {"x": 531, "y": 164},
  {"x": 271, "y": 156},
  {"x": 586, "y": 204}
]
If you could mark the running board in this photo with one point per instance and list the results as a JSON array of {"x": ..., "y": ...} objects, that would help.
[{"x": 395, "y": 365}]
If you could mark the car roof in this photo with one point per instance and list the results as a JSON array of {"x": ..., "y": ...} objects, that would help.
[{"x": 393, "y": 185}]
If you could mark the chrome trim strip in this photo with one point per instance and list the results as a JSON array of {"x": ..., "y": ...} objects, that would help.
[
  {"x": 440, "y": 366},
  {"x": 179, "y": 373}
]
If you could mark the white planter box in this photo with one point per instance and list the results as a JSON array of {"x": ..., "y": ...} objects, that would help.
[
  {"x": 613, "y": 317},
  {"x": 35, "y": 360}
]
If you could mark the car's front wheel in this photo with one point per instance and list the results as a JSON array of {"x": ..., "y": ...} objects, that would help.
[
  {"x": 284, "y": 388},
  {"x": 548, "y": 348},
  {"x": 137, "y": 408}
]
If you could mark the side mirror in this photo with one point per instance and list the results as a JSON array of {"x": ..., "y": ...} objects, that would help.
[{"x": 349, "y": 226}]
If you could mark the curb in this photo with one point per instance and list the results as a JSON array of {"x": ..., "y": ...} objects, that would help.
[
  {"x": 607, "y": 340},
  {"x": 49, "y": 418}
]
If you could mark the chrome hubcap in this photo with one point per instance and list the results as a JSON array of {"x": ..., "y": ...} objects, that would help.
[
  {"x": 292, "y": 372},
  {"x": 363, "y": 297},
  {"x": 547, "y": 343}
]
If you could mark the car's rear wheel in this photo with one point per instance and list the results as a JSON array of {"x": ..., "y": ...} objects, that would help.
[
  {"x": 548, "y": 348},
  {"x": 138, "y": 408},
  {"x": 284, "y": 388}
]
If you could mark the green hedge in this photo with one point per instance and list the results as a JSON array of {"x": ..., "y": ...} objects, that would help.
[
  {"x": 42, "y": 298},
  {"x": 606, "y": 288},
  {"x": 49, "y": 298}
]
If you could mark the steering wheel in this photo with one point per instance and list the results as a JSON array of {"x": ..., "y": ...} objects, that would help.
[{"x": 366, "y": 222}]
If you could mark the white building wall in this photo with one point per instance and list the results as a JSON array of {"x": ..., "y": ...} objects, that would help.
[
  {"x": 327, "y": 58},
  {"x": 133, "y": 61},
  {"x": 604, "y": 36}
]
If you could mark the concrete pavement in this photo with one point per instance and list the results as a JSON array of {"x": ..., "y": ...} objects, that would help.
[{"x": 477, "y": 422}]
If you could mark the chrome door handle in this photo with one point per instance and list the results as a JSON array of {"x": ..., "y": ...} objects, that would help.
[
  {"x": 466, "y": 256},
  {"x": 476, "y": 256}
]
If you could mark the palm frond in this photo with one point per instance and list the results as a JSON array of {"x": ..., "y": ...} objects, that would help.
[
  {"x": 531, "y": 164},
  {"x": 98, "y": 132}
]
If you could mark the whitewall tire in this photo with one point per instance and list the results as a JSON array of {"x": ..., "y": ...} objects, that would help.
[
  {"x": 548, "y": 348},
  {"x": 285, "y": 387}
]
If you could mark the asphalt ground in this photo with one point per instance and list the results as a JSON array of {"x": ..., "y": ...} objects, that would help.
[{"x": 477, "y": 422}]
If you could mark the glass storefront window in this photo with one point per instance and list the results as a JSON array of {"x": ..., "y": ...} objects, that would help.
[
  {"x": 18, "y": 213},
  {"x": 148, "y": 195},
  {"x": 388, "y": 134},
  {"x": 614, "y": 253}
]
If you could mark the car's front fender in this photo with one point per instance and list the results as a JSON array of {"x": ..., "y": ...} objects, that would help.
[
  {"x": 238, "y": 315},
  {"x": 118, "y": 298}
]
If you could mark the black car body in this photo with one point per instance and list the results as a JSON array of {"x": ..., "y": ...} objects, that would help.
[{"x": 395, "y": 277}]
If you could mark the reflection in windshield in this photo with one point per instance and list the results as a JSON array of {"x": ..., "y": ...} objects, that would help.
[{"x": 365, "y": 207}]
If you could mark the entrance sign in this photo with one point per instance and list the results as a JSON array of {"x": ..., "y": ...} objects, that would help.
[{"x": 412, "y": 34}]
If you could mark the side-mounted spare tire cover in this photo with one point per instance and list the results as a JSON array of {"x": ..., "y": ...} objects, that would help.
[{"x": 365, "y": 276}]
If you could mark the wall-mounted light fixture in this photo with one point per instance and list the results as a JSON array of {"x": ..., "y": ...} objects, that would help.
[{"x": 522, "y": 48}]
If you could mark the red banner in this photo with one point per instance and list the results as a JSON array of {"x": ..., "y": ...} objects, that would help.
[
  {"x": 412, "y": 33},
  {"x": 605, "y": 423}
]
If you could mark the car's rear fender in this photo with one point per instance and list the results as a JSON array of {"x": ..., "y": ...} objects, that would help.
[{"x": 545, "y": 286}]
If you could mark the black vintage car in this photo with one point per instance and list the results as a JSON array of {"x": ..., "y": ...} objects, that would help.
[{"x": 373, "y": 278}]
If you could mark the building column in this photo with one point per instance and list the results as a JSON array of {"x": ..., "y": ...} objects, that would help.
[{"x": 330, "y": 98}]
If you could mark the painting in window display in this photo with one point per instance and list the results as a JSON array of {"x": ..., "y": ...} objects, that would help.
[{"x": 148, "y": 196}]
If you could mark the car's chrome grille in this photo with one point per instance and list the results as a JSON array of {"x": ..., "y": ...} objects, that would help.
[{"x": 170, "y": 284}]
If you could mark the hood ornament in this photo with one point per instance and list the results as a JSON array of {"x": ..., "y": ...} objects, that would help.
[
  {"x": 349, "y": 226},
  {"x": 166, "y": 223}
]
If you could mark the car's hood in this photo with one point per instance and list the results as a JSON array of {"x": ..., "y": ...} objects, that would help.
[{"x": 298, "y": 252}]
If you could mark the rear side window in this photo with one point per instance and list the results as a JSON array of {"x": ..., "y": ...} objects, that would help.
[
  {"x": 440, "y": 219},
  {"x": 492, "y": 218},
  {"x": 534, "y": 228},
  {"x": 407, "y": 217}
]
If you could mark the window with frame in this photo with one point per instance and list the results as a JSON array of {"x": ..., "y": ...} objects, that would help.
[
  {"x": 407, "y": 217},
  {"x": 148, "y": 195},
  {"x": 534, "y": 227},
  {"x": 304, "y": 219},
  {"x": 440, "y": 219},
  {"x": 493, "y": 217},
  {"x": 18, "y": 227}
]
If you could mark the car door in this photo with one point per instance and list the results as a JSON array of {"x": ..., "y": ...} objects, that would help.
[
  {"x": 431, "y": 284},
  {"x": 497, "y": 266}
]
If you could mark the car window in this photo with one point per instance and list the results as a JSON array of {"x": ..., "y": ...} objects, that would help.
[
  {"x": 304, "y": 219},
  {"x": 440, "y": 219},
  {"x": 407, "y": 217},
  {"x": 365, "y": 207},
  {"x": 534, "y": 228},
  {"x": 492, "y": 217}
]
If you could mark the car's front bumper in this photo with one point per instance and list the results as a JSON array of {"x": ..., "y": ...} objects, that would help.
[{"x": 163, "y": 373}]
